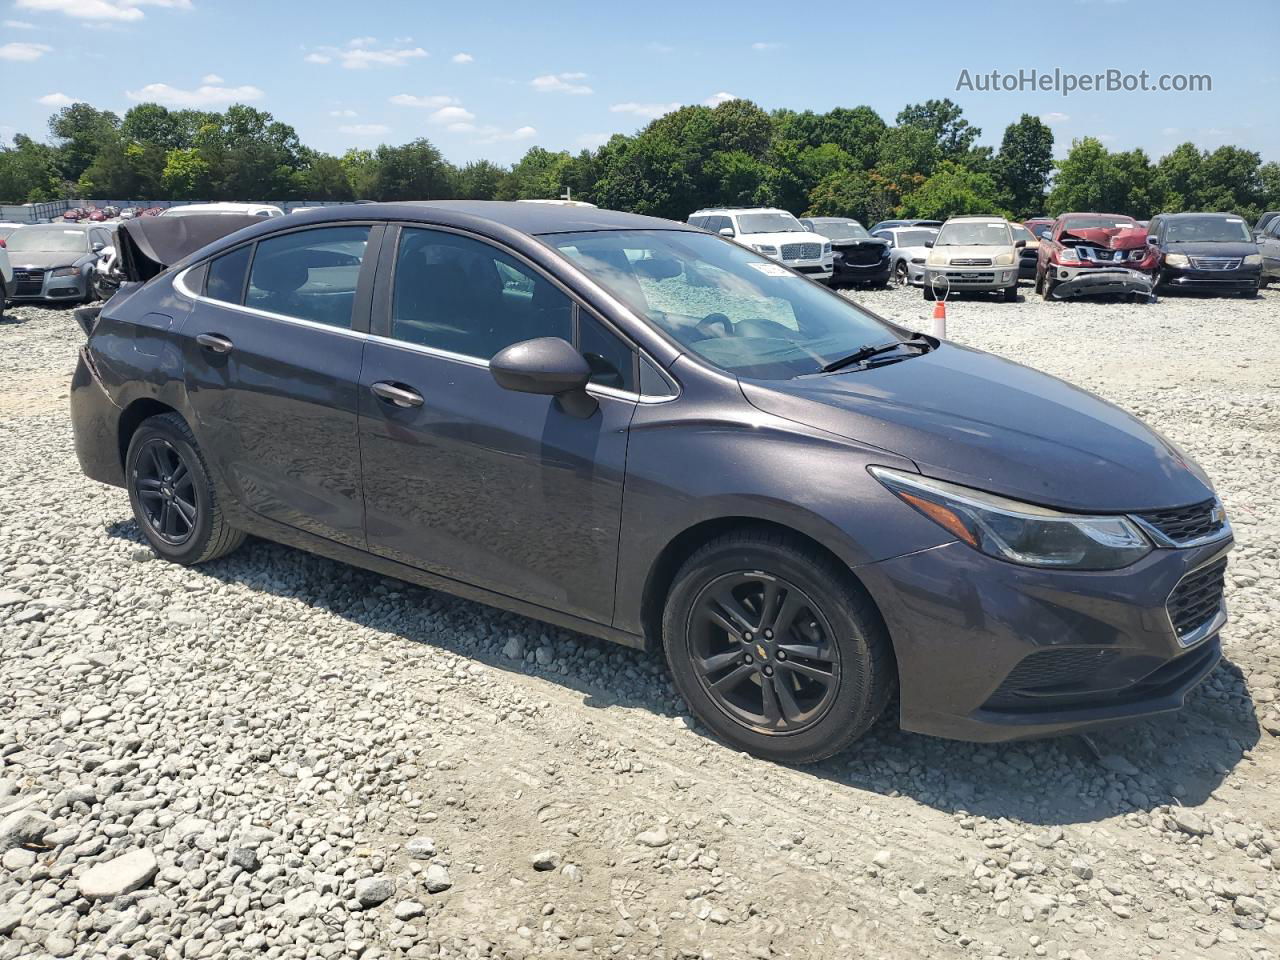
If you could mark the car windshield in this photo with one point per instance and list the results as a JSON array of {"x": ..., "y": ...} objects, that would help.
[
  {"x": 737, "y": 310},
  {"x": 48, "y": 240},
  {"x": 1208, "y": 230},
  {"x": 915, "y": 238},
  {"x": 840, "y": 229},
  {"x": 769, "y": 223},
  {"x": 965, "y": 233},
  {"x": 1091, "y": 223}
]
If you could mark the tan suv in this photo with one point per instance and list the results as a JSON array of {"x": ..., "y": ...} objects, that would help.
[{"x": 973, "y": 253}]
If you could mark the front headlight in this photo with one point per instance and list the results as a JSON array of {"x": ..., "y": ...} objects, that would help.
[
  {"x": 65, "y": 272},
  {"x": 1020, "y": 532},
  {"x": 826, "y": 248},
  {"x": 1253, "y": 260},
  {"x": 1004, "y": 260},
  {"x": 1176, "y": 260},
  {"x": 937, "y": 260},
  {"x": 1068, "y": 255},
  {"x": 765, "y": 249}
]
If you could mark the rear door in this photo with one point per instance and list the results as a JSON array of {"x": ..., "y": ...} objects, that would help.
[
  {"x": 498, "y": 489},
  {"x": 272, "y": 350}
]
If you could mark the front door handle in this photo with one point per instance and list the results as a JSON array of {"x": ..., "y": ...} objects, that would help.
[
  {"x": 215, "y": 342},
  {"x": 397, "y": 395}
]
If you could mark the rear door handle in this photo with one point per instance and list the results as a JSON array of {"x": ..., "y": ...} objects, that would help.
[
  {"x": 396, "y": 395},
  {"x": 214, "y": 342}
]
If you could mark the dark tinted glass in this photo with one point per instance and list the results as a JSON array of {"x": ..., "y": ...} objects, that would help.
[
  {"x": 612, "y": 361},
  {"x": 310, "y": 274},
  {"x": 458, "y": 294},
  {"x": 226, "y": 275}
]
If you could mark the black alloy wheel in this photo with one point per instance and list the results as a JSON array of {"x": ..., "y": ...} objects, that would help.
[
  {"x": 764, "y": 652},
  {"x": 166, "y": 491},
  {"x": 900, "y": 274}
]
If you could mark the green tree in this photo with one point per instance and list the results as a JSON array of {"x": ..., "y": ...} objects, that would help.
[
  {"x": 953, "y": 191},
  {"x": 324, "y": 178},
  {"x": 362, "y": 173},
  {"x": 479, "y": 180},
  {"x": 412, "y": 171},
  {"x": 186, "y": 175},
  {"x": 536, "y": 176},
  {"x": 953, "y": 134},
  {"x": 29, "y": 172},
  {"x": 1023, "y": 165},
  {"x": 81, "y": 131},
  {"x": 863, "y": 195}
]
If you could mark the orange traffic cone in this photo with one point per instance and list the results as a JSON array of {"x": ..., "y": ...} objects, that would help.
[{"x": 939, "y": 325}]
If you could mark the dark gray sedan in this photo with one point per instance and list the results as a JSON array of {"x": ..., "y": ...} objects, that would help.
[
  {"x": 55, "y": 261},
  {"x": 645, "y": 432}
]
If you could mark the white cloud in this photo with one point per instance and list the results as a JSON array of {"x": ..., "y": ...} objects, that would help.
[
  {"x": 19, "y": 25},
  {"x": 560, "y": 83},
  {"x": 342, "y": 113},
  {"x": 592, "y": 140},
  {"x": 211, "y": 78},
  {"x": 647, "y": 110},
  {"x": 365, "y": 129},
  {"x": 496, "y": 135},
  {"x": 1054, "y": 117},
  {"x": 57, "y": 100},
  {"x": 207, "y": 95},
  {"x": 762, "y": 45},
  {"x": 23, "y": 52},
  {"x": 462, "y": 58},
  {"x": 118, "y": 10},
  {"x": 456, "y": 118},
  {"x": 433, "y": 102},
  {"x": 360, "y": 54},
  {"x": 718, "y": 98}
]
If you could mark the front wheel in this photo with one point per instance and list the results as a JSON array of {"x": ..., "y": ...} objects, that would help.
[
  {"x": 172, "y": 497},
  {"x": 1011, "y": 293},
  {"x": 900, "y": 274},
  {"x": 776, "y": 648}
]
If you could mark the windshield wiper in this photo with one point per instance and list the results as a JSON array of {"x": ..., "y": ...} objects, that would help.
[{"x": 866, "y": 352}]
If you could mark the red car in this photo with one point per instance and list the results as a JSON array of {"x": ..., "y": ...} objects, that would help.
[
  {"x": 1038, "y": 224},
  {"x": 1095, "y": 254}
]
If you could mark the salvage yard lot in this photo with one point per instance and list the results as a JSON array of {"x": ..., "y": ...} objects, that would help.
[{"x": 275, "y": 729}]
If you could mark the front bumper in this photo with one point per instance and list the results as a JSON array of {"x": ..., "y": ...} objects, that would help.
[
  {"x": 874, "y": 273},
  {"x": 31, "y": 285},
  {"x": 1098, "y": 281},
  {"x": 1241, "y": 280},
  {"x": 819, "y": 269},
  {"x": 990, "y": 651},
  {"x": 960, "y": 279}
]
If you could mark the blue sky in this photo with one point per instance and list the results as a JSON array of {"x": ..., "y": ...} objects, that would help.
[{"x": 492, "y": 79}]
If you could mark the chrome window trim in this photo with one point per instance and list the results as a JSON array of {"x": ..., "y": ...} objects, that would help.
[{"x": 1211, "y": 626}]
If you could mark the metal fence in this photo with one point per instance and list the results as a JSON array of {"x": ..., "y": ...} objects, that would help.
[{"x": 44, "y": 212}]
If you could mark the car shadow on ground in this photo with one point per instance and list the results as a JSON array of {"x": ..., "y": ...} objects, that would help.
[{"x": 1176, "y": 759}]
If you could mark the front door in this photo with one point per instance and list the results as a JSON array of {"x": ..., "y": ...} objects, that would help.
[
  {"x": 272, "y": 364},
  {"x": 502, "y": 490}
]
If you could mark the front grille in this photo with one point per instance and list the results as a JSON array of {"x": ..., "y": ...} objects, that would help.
[
  {"x": 1101, "y": 255},
  {"x": 1050, "y": 672},
  {"x": 27, "y": 283},
  {"x": 1215, "y": 263},
  {"x": 801, "y": 251},
  {"x": 962, "y": 278},
  {"x": 1197, "y": 598},
  {"x": 971, "y": 262},
  {"x": 863, "y": 256},
  {"x": 1182, "y": 525}
]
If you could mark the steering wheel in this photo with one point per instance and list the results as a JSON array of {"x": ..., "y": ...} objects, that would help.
[{"x": 715, "y": 325}]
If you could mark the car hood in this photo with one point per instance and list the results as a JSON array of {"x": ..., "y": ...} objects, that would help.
[
  {"x": 976, "y": 419},
  {"x": 44, "y": 261},
  {"x": 775, "y": 239},
  {"x": 854, "y": 241},
  {"x": 1212, "y": 248},
  {"x": 973, "y": 251},
  {"x": 1109, "y": 238}
]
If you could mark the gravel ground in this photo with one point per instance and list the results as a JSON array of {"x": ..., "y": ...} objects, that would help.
[{"x": 276, "y": 755}]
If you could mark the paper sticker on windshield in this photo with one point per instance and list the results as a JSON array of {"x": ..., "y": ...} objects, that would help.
[
  {"x": 772, "y": 270},
  {"x": 74, "y": 233},
  {"x": 1234, "y": 220}
]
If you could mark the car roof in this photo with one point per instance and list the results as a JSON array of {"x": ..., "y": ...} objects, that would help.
[
  {"x": 531, "y": 218},
  {"x": 973, "y": 218},
  {"x": 1187, "y": 214},
  {"x": 740, "y": 210}
]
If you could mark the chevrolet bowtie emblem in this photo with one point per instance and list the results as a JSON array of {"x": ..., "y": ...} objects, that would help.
[{"x": 763, "y": 653}]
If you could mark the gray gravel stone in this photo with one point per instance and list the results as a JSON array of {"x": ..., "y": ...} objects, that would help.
[{"x": 118, "y": 876}]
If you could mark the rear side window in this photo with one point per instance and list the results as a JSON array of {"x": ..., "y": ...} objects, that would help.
[
  {"x": 612, "y": 362},
  {"x": 226, "y": 275},
  {"x": 309, "y": 274}
]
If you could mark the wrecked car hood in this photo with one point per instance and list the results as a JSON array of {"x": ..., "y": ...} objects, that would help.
[{"x": 1109, "y": 238}]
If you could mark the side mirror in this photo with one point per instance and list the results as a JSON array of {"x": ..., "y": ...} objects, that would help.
[
  {"x": 97, "y": 247},
  {"x": 1151, "y": 239},
  {"x": 928, "y": 243},
  {"x": 1018, "y": 244},
  {"x": 548, "y": 366},
  {"x": 727, "y": 232}
]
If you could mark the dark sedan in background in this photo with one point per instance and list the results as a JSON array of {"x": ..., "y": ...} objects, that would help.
[
  {"x": 857, "y": 257},
  {"x": 55, "y": 261},
  {"x": 648, "y": 433},
  {"x": 1211, "y": 252}
]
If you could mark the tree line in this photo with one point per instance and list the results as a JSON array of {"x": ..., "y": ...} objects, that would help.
[{"x": 845, "y": 162}]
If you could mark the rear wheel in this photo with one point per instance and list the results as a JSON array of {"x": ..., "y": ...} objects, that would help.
[
  {"x": 775, "y": 648},
  {"x": 172, "y": 496}
]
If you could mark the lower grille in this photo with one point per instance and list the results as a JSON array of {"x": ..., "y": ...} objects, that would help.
[
  {"x": 1047, "y": 672},
  {"x": 27, "y": 283},
  {"x": 962, "y": 278},
  {"x": 1182, "y": 525},
  {"x": 1215, "y": 263},
  {"x": 1197, "y": 599},
  {"x": 863, "y": 256},
  {"x": 801, "y": 251},
  {"x": 809, "y": 269}
]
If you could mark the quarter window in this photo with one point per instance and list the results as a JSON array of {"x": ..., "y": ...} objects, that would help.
[
  {"x": 226, "y": 275},
  {"x": 310, "y": 274},
  {"x": 458, "y": 294}
]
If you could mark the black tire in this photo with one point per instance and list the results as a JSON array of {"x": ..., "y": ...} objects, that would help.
[
  {"x": 1011, "y": 293},
  {"x": 901, "y": 274},
  {"x": 928, "y": 291},
  {"x": 164, "y": 446},
  {"x": 1039, "y": 282},
  {"x": 829, "y": 672},
  {"x": 1047, "y": 290}
]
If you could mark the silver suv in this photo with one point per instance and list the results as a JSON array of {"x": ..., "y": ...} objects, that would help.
[{"x": 774, "y": 233}]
